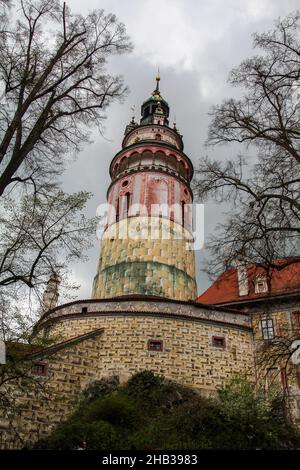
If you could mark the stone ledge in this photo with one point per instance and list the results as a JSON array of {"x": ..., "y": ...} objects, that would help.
[{"x": 176, "y": 311}]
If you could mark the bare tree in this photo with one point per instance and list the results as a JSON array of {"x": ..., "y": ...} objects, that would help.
[
  {"x": 54, "y": 85},
  {"x": 39, "y": 234},
  {"x": 264, "y": 192},
  {"x": 54, "y": 88}
]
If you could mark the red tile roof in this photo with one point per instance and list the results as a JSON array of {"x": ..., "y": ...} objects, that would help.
[{"x": 225, "y": 288}]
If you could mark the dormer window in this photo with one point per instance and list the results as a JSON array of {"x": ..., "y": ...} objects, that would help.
[{"x": 261, "y": 285}]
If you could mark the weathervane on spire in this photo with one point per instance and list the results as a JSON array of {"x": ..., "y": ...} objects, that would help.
[{"x": 174, "y": 122}]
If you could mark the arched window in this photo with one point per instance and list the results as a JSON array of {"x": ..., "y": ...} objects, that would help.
[
  {"x": 118, "y": 210},
  {"x": 160, "y": 159},
  {"x": 183, "y": 212},
  {"x": 172, "y": 162},
  {"x": 126, "y": 206},
  {"x": 123, "y": 163},
  {"x": 134, "y": 159},
  {"x": 147, "y": 158},
  {"x": 157, "y": 137}
]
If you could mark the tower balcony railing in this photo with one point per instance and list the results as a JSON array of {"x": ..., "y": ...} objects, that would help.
[
  {"x": 154, "y": 167},
  {"x": 152, "y": 161}
]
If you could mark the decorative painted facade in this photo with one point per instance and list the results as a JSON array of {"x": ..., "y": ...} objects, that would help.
[{"x": 147, "y": 245}]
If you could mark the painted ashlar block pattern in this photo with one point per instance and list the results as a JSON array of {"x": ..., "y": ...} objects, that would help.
[
  {"x": 187, "y": 357},
  {"x": 144, "y": 277},
  {"x": 164, "y": 266}
]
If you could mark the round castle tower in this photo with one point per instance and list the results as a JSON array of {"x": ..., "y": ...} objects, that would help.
[{"x": 147, "y": 242}]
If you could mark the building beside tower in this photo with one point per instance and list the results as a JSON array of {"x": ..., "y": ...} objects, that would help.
[{"x": 144, "y": 312}]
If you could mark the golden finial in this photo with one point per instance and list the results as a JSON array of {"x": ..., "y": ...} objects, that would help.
[{"x": 158, "y": 75}]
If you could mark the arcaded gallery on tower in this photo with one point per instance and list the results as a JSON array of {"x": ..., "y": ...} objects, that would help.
[{"x": 144, "y": 312}]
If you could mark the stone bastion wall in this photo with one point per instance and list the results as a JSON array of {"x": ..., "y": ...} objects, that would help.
[{"x": 97, "y": 339}]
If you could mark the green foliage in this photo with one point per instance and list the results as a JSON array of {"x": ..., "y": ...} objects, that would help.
[
  {"x": 100, "y": 388},
  {"x": 117, "y": 410},
  {"x": 152, "y": 412},
  {"x": 75, "y": 434}
]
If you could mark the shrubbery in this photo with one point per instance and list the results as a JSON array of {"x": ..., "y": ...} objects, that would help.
[{"x": 152, "y": 412}]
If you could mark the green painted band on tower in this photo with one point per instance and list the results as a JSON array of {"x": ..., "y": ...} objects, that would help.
[{"x": 144, "y": 277}]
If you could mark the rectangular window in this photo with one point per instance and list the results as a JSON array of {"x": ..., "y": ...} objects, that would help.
[
  {"x": 296, "y": 321},
  {"x": 155, "y": 345},
  {"x": 39, "y": 368},
  {"x": 218, "y": 342},
  {"x": 267, "y": 328}
]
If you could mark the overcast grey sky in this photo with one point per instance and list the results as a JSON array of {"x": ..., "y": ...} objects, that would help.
[{"x": 195, "y": 43}]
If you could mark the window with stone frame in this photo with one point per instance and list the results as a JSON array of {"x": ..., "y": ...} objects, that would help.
[
  {"x": 155, "y": 345},
  {"x": 39, "y": 368},
  {"x": 218, "y": 342},
  {"x": 267, "y": 329}
]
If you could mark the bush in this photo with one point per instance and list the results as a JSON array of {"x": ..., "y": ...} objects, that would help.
[
  {"x": 74, "y": 434},
  {"x": 152, "y": 412}
]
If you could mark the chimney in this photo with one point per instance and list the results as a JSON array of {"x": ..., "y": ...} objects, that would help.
[{"x": 242, "y": 275}]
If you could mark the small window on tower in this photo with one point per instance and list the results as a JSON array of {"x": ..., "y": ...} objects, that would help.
[
  {"x": 157, "y": 137},
  {"x": 126, "y": 204},
  {"x": 118, "y": 210},
  {"x": 183, "y": 213},
  {"x": 155, "y": 345}
]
